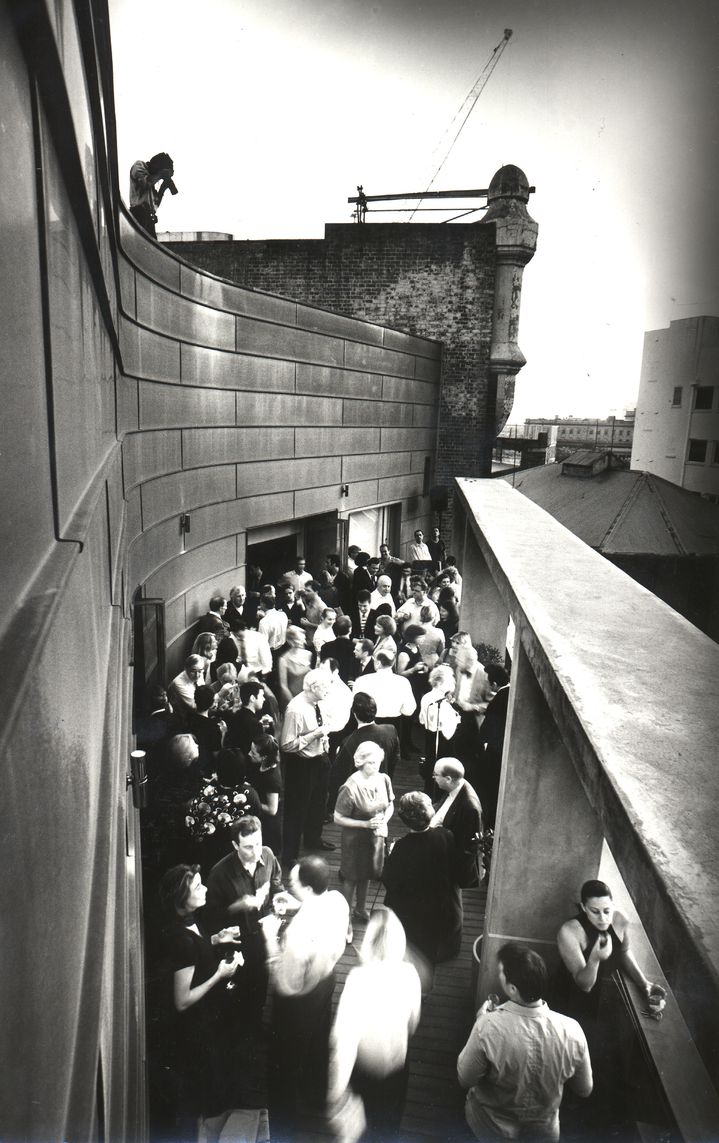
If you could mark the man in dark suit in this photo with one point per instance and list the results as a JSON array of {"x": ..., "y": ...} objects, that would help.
[
  {"x": 363, "y": 617},
  {"x": 364, "y": 663},
  {"x": 245, "y": 725},
  {"x": 459, "y": 811},
  {"x": 341, "y": 649},
  {"x": 233, "y": 613},
  {"x": 214, "y": 621},
  {"x": 341, "y": 582},
  {"x": 364, "y": 712}
]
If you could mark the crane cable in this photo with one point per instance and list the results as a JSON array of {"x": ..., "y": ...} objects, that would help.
[{"x": 471, "y": 98}]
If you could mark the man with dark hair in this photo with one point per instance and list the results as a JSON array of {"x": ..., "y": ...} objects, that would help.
[
  {"x": 364, "y": 709},
  {"x": 240, "y": 890},
  {"x": 214, "y": 621},
  {"x": 341, "y": 649},
  {"x": 437, "y": 548},
  {"x": 302, "y": 966},
  {"x": 273, "y": 624},
  {"x": 244, "y": 726},
  {"x": 340, "y": 581},
  {"x": 363, "y": 617},
  {"x": 417, "y": 550},
  {"x": 144, "y": 198},
  {"x": 411, "y": 609},
  {"x": 208, "y": 731},
  {"x": 520, "y": 1055},
  {"x": 298, "y": 576}
]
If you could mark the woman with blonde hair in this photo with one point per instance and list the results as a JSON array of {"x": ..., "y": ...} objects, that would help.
[
  {"x": 377, "y": 1013},
  {"x": 206, "y": 645},
  {"x": 292, "y": 666},
  {"x": 364, "y": 806}
]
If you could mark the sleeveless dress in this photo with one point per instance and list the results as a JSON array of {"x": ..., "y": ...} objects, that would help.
[
  {"x": 362, "y": 850},
  {"x": 584, "y": 1006}
]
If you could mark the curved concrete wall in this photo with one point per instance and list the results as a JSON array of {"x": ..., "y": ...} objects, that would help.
[
  {"x": 249, "y": 409},
  {"x": 133, "y": 388}
]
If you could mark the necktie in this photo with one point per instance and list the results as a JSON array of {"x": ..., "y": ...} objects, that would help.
[{"x": 318, "y": 712}]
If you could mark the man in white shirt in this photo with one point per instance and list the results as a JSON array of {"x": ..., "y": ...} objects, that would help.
[
  {"x": 411, "y": 611},
  {"x": 520, "y": 1055},
  {"x": 383, "y": 594},
  {"x": 255, "y": 651},
  {"x": 418, "y": 550},
  {"x": 302, "y": 968},
  {"x": 392, "y": 693},
  {"x": 273, "y": 624},
  {"x": 299, "y": 576}
]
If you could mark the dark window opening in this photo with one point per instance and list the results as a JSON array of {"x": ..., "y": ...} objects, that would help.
[
  {"x": 704, "y": 397},
  {"x": 677, "y": 396},
  {"x": 697, "y": 451}
]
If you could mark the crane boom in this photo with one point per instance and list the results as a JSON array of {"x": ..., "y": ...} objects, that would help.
[{"x": 470, "y": 102}]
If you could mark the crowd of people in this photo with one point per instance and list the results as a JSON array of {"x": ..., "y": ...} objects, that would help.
[{"x": 293, "y": 709}]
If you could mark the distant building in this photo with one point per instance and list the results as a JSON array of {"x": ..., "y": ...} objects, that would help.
[
  {"x": 664, "y": 537},
  {"x": 587, "y": 432},
  {"x": 677, "y": 420}
]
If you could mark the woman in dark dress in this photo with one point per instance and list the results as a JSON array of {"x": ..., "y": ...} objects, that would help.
[
  {"x": 593, "y": 945},
  {"x": 420, "y": 881},
  {"x": 198, "y": 1006},
  {"x": 266, "y": 777}
]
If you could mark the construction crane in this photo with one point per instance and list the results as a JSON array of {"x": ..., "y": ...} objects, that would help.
[
  {"x": 462, "y": 115},
  {"x": 468, "y": 106}
]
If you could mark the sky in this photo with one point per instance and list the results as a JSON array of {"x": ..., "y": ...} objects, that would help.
[{"x": 274, "y": 110}]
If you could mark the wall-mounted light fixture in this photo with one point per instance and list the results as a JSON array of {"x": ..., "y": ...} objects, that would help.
[
  {"x": 137, "y": 778},
  {"x": 344, "y": 490},
  {"x": 184, "y": 523}
]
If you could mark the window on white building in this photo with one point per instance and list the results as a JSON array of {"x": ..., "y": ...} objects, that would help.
[
  {"x": 697, "y": 451},
  {"x": 677, "y": 396},
  {"x": 704, "y": 397}
]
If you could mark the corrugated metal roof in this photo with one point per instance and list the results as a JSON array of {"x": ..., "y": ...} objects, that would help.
[{"x": 620, "y": 512}]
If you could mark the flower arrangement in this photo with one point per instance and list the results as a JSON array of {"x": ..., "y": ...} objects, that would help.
[{"x": 215, "y": 807}]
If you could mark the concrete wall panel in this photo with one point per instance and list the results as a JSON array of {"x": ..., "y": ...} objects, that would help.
[
  {"x": 313, "y": 501},
  {"x": 175, "y": 406},
  {"x": 335, "y": 442},
  {"x": 179, "y": 317},
  {"x": 150, "y": 454},
  {"x": 406, "y": 390},
  {"x": 148, "y": 354},
  {"x": 278, "y": 475},
  {"x": 153, "y": 548},
  {"x": 272, "y": 340},
  {"x": 281, "y": 409},
  {"x": 128, "y": 405},
  {"x": 153, "y": 262},
  {"x": 324, "y": 322},
  {"x": 399, "y": 488},
  {"x": 225, "y": 296},
  {"x": 377, "y": 360},
  {"x": 338, "y": 382},
  {"x": 372, "y": 413},
  {"x": 183, "y": 491},
  {"x": 201, "y": 366},
  {"x": 382, "y": 464},
  {"x": 181, "y": 573},
  {"x": 406, "y": 439},
  {"x": 223, "y": 446}
]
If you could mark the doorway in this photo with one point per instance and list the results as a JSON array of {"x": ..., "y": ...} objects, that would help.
[{"x": 275, "y": 557}]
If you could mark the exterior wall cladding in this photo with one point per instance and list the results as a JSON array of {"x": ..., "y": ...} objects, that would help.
[{"x": 430, "y": 280}]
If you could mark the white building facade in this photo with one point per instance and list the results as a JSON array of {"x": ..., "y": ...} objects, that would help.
[{"x": 676, "y": 432}]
